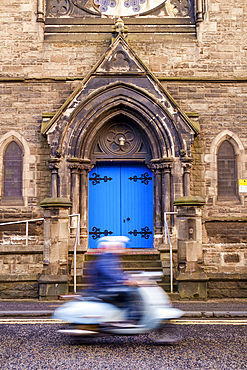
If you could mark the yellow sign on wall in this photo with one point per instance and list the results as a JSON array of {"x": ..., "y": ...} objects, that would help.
[{"x": 243, "y": 185}]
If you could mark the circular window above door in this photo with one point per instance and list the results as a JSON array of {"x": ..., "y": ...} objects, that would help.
[{"x": 120, "y": 140}]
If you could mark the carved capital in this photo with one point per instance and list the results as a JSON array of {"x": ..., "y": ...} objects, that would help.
[
  {"x": 187, "y": 164},
  {"x": 167, "y": 168},
  {"x": 86, "y": 167},
  {"x": 161, "y": 166},
  {"x": 53, "y": 167},
  {"x": 75, "y": 167}
]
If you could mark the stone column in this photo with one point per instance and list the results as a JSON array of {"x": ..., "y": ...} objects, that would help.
[
  {"x": 40, "y": 10},
  {"x": 156, "y": 168},
  {"x": 54, "y": 278},
  {"x": 186, "y": 164},
  {"x": 85, "y": 168},
  {"x": 192, "y": 281},
  {"x": 53, "y": 166},
  {"x": 166, "y": 184},
  {"x": 75, "y": 168},
  {"x": 199, "y": 11}
]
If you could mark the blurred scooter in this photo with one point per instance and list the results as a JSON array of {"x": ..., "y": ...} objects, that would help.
[{"x": 87, "y": 316}]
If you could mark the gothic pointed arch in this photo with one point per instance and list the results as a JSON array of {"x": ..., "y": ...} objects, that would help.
[
  {"x": 167, "y": 133},
  {"x": 219, "y": 163}
]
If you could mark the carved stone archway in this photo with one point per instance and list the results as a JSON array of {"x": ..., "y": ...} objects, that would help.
[
  {"x": 105, "y": 146},
  {"x": 155, "y": 129}
]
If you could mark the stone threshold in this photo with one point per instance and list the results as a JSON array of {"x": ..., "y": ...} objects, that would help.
[{"x": 127, "y": 251}]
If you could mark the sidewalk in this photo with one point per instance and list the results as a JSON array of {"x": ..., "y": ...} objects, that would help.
[{"x": 216, "y": 308}]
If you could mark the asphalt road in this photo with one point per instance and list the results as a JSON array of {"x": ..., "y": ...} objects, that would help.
[{"x": 205, "y": 345}]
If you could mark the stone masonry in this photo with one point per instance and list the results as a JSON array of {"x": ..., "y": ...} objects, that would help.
[{"x": 203, "y": 68}]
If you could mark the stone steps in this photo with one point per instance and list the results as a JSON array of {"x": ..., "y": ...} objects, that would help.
[{"x": 132, "y": 261}]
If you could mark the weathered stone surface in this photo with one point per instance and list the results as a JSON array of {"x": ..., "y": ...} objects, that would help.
[
  {"x": 204, "y": 73},
  {"x": 227, "y": 231},
  {"x": 19, "y": 286},
  {"x": 192, "y": 286}
]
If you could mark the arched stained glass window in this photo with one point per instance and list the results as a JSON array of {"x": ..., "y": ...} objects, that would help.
[
  {"x": 13, "y": 171},
  {"x": 227, "y": 171}
]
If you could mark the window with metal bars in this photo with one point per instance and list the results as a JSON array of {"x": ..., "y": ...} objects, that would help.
[{"x": 227, "y": 171}]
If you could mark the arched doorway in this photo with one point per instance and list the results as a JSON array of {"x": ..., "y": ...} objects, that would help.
[{"x": 91, "y": 136}]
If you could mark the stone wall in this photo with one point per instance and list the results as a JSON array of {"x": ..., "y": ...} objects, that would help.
[
  {"x": 222, "y": 286},
  {"x": 225, "y": 258},
  {"x": 226, "y": 268},
  {"x": 20, "y": 259},
  {"x": 19, "y": 286},
  {"x": 222, "y": 114},
  {"x": 205, "y": 73},
  {"x": 22, "y": 105},
  {"x": 218, "y": 51},
  {"x": 227, "y": 230},
  {"x": 20, "y": 267}
]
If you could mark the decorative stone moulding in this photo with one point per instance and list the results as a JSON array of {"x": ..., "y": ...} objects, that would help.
[{"x": 117, "y": 8}]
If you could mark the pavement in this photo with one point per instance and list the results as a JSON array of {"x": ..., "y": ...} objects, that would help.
[{"x": 214, "y": 308}]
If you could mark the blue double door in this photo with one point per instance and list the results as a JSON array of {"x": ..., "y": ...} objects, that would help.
[{"x": 121, "y": 203}]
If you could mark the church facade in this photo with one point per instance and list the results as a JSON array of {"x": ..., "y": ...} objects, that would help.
[{"x": 125, "y": 115}]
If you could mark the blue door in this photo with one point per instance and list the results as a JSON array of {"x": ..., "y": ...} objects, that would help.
[{"x": 121, "y": 203}]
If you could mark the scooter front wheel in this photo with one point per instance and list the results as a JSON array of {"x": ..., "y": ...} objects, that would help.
[{"x": 166, "y": 334}]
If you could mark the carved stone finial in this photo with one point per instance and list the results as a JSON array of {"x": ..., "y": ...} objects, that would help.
[
  {"x": 119, "y": 25},
  {"x": 120, "y": 28}
]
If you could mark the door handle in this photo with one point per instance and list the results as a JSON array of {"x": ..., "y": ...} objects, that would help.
[{"x": 128, "y": 218}]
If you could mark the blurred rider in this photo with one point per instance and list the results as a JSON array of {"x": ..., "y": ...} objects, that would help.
[{"x": 108, "y": 280}]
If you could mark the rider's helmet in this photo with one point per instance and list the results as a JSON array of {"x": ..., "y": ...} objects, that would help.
[{"x": 112, "y": 242}]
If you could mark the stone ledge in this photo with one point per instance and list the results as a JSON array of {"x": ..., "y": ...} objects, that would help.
[
  {"x": 111, "y": 22},
  {"x": 19, "y": 277},
  {"x": 48, "y": 79},
  {"x": 47, "y": 279},
  {"x": 79, "y": 249},
  {"x": 55, "y": 202},
  {"x": 225, "y": 219},
  {"x": 21, "y": 249},
  {"x": 226, "y": 276},
  {"x": 189, "y": 201},
  {"x": 195, "y": 276},
  {"x": 224, "y": 245}
]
